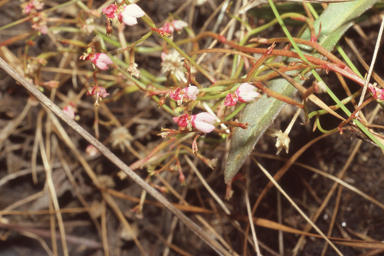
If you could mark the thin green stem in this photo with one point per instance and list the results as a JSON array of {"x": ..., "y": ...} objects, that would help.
[{"x": 235, "y": 112}]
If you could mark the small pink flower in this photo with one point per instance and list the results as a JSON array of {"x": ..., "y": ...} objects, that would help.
[
  {"x": 203, "y": 122},
  {"x": 101, "y": 60},
  {"x": 167, "y": 28},
  {"x": 28, "y": 8},
  {"x": 42, "y": 28},
  {"x": 92, "y": 151},
  {"x": 188, "y": 93},
  {"x": 183, "y": 120},
  {"x": 191, "y": 92},
  {"x": 246, "y": 92},
  {"x": 378, "y": 94},
  {"x": 230, "y": 100},
  {"x": 32, "y": 5},
  {"x": 70, "y": 110},
  {"x": 110, "y": 11},
  {"x": 130, "y": 14},
  {"x": 100, "y": 93},
  {"x": 179, "y": 24},
  {"x": 175, "y": 94}
]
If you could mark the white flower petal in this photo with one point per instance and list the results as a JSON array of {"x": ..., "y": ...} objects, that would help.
[
  {"x": 129, "y": 20},
  {"x": 133, "y": 10}
]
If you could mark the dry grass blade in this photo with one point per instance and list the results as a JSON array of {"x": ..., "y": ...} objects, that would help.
[
  {"x": 201, "y": 178},
  {"x": 53, "y": 196},
  {"x": 297, "y": 208},
  {"x": 255, "y": 242},
  {"x": 41, "y": 241},
  {"x": 12, "y": 125}
]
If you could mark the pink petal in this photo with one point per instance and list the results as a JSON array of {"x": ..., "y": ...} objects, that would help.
[
  {"x": 167, "y": 28},
  {"x": 203, "y": 122},
  {"x": 163, "y": 56},
  {"x": 110, "y": 11},
  {"x": 182, "y": 120},
  {"x": 230, "y": 100},
  {"x": 69, "y": 110},
  {"x": 102, "y": 92},
  {"x": 102, "y": 60},
  {"x": 246, "y": 92},
  {"x": 191, "y": 92},
  {"x": 175, "y": 94}
]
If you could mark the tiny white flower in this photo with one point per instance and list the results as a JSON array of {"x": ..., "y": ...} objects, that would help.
[
  {"x": 282, "y": 141},
  {"x": 173, "y": 63}
]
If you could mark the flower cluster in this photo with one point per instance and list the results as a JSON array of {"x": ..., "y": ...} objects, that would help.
[
  {"x": 32, "y": 5},
  {"x": 173, "y": 63},
  {"x": 100, "y": 60},
  {"x": 245, "y": 93},
  {"x": 186, "y": 94},
  {"x": 202, "y": 122},
  {"x": 126, "y": 14}
]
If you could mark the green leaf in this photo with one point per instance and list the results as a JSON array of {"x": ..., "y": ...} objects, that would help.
[{"x": 335, "y": 20}]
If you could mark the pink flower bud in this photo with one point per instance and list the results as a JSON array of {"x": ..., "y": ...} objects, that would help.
[
  {"x": 70, "y": 110},
  {"x": 110, "y": 11},
  {"x": 99, "y": 91},
  {"x": 203, "y": 122},
  {"x": 42, "y": 28},
  {"x": 188, "y": 93},
  {"x": 32, "y": 5},
  {"x": 182, "y": 120},
  {"x": 167, "y": 28},
  {"x": 101, "y": 60},
  {"x": 175, "y": 94},
  {"x": 92, "y": 151},
  {"x": 378, "y": 94},
  {"x": 230, "y": 100},
  {"x": 182, "y": 178},
  {"x": 246, "y": 92},
  {"x": 130, "y": 14}
]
